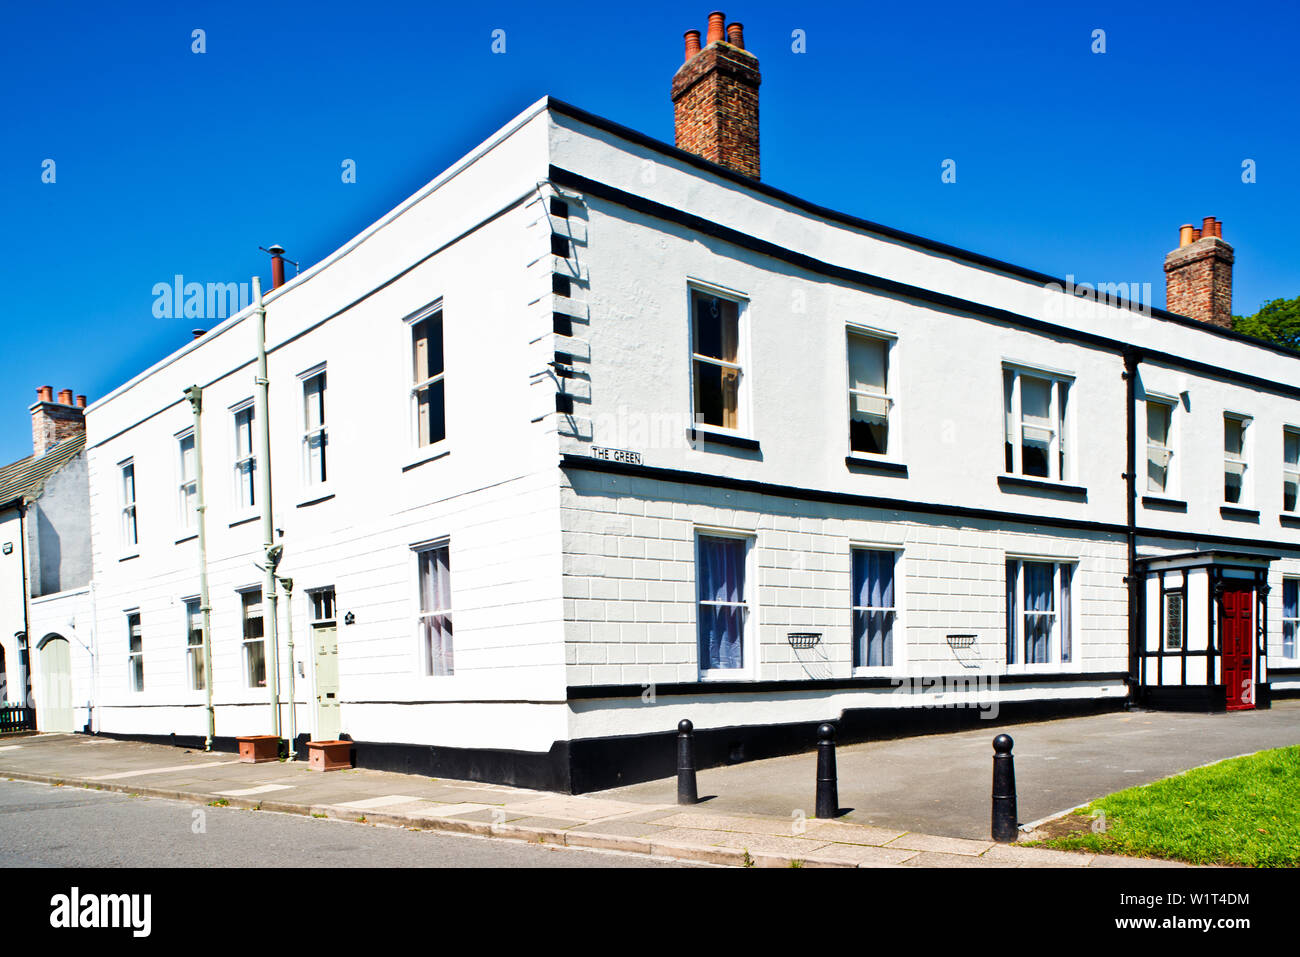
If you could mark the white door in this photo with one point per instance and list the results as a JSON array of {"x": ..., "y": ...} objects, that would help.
[
  {"x": 325, "y": 638},
  {"x": 54, "y": 710}
]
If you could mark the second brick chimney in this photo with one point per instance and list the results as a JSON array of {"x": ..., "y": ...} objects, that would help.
[
  {"x": 52, "y": 422},
  {"x": 715, "y": 96},
  {"x": 1198, "y": 274}
]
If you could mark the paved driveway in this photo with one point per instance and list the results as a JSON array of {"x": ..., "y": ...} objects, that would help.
[{"x": 940, "y": 784}]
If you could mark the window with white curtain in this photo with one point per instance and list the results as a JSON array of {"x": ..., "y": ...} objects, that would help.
[
  {"x": 1160, "y": 453},
  {"x": 314, "y": 435},
  {"x": 870, "y": 403},
  {"x": 245, "y": 460},
  {"x": 194, "y": 644},
  {"x": 1234, "y": 458},
  {"x": 254, "y": 643},
  {"x": 135, "y": 652},
  {"x": 188, "y": 485},
  {"x": 715, "y": 362},
  {"x": 1039, "y": 612},
  {"x": 1036, "y": 412},
  {"x": 428, "y": 389},
  {"x": 1290, "y": 468},
  {"x": 130, "y": 531},
  {"x": 434, "y": 621},
  {"x": 874, "y": 608},
  {"x": 721, "y": 609},
  {"x": 1290, "y": 617}
]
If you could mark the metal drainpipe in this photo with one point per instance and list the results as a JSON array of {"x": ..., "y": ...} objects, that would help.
[
  {"x": 293, "y": 698},
  {"x": 25, "y": 649},
  {"x": 195, "y": 394},
  {"x": 262, "y": 413},
  {"x": 1132, "y": 357}
]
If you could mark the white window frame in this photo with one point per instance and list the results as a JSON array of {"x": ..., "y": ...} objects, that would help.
[
  {"x": 134, "y": 659},
  {"x": 413, "y": 393},
  {"x": 186, "y": 484},
  {"x": 311, "y": 478},
  {"x": 314, "y": 596},
  {"x": 899, "y": 664},
  {"x": 1295, "y": 623},
  {"x": 890, "y": 395},
  {"x": 248, "y": 460},
  {"x": 1165, "y": 451},
  {"x": 245, "y": 642},
  {"x": 749, "y": 620},
  {"x": 1062, "y": 430},
  {"x": 1165, "y": 595},
  {"x": 423, "y": 665},
  {"x": 1242, "y": 461},
  {"x": 193, "y": 653},
  {"x": 130, "y": 524},
  {"x": 1054, "y": 662},
  {"x": 1290, "y": 470},
  {"x": 744, "y": 426}
]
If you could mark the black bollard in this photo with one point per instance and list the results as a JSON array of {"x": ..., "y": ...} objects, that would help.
[
  {"x": 1005, "y": 827},
  {"x": 828, "y": 792},
  {"x": 686, "y": 793}
]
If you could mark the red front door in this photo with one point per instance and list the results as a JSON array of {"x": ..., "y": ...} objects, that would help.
[{"x": 1239, "y": 648}]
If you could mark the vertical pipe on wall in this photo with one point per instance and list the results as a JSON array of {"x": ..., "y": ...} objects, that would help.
[
  {"x": 195, "y": 394},
  {"x": 261, "y": 412},
  {"x": 293, "y": 696}
]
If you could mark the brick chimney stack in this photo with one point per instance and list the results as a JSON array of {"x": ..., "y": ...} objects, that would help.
[
  {"x": 52, "y": 422},
  {"x": 1198, "y": 274},
  {"x": 715, "y": 97}
]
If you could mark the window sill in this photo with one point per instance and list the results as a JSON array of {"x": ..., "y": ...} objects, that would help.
[
  {"x": 726, "y": 674},
  {"x": 883, "y": 466},
  {"x": 1289, "y": 521},
  {"x": 316, "y": 500},
  {"x": 722, "y": 438},
  {"x": 187, "y": 538},
  {"x": 1164, "y": 504},
  {"x": 1017, "y": 484},
  {"x": 426, "y": 458},
  {"x": 127, "y": 558},
  {"x": 244, "y": 521},
  {"x": 1239, "y": 514}
]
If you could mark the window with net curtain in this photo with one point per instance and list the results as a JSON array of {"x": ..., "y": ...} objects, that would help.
[
  {"x": 254, "y": 643},
  {"x": 874, "y": 611},
  {"x": 1159, "y": 453},
  {"x": 1035, "y": 408},
  {"x": 869, "y": 400},
  {"x": 1039, "y": 613},
  {"x": 314, "y": 435},
  {"x": 188, "y": 483},
  {"x": 435, "y": 609},
  {"x": 721, "y": 608},
  {"x": 135, "y": 652},
  {"x": 1290, "y": 616},
  {"x": 1234, "y": 459},
  {"x": 194, "y": 644},
  {"x": 715, "y": 339},
  {"x": 1290, "y": 468},
  {"x": 245, "y": 459}
]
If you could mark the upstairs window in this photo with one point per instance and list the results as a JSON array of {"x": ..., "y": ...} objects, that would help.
[
  {"x": 434, "y": 620},
  {"x": 1159, "y": 441},
  {"x": 1039, "y": 614},
  {"x": 194, "y": 644},
  {"x": 716, "y": 371},
  {"x": 869, "y": 400},
  {"x": 245, "y": 460},
  {"x": 188, "y": 486},
  {"x": 130, "y": 531},
  {"x": 1035, "y": 435},
  {"x": 135, "y": 652},
  {"x": 1290, "y": 468},
  {"x": 314, "y": 438},
  {"x": 428, "y": 393},
  {"x": 1234, "y": 458}
]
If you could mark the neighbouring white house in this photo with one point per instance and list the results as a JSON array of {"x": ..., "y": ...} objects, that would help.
[{"x": 593, "y": 434}]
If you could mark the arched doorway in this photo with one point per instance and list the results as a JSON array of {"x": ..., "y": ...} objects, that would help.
[{"x": 54, "y": 709}]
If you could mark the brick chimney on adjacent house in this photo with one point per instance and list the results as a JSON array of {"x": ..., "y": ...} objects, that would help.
[
  {"x": 715, "y": 96},
  {"x": 1198, "y": 274},
  {"x": 52, "y": 422}
]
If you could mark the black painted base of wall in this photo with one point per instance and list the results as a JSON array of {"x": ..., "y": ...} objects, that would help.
[{"x": 1204, "y": 699}]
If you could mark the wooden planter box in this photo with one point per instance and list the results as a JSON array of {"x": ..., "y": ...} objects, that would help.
[
  {"x": 329, "y": 755},
  {"x": 256, "y": 748}
]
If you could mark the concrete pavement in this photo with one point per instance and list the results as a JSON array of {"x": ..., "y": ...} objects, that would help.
[
  {"x": 711, "y": 832},
  {"x": 940, "y": 784}
]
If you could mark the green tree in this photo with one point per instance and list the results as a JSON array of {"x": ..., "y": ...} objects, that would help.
[{"x": 1277, "y": 321}]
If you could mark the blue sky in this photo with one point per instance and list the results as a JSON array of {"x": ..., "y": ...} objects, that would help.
[{"x": 168, "y": 161}]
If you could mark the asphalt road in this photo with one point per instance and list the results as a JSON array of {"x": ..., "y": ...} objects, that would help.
[{"x": 44, "y": 826}]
